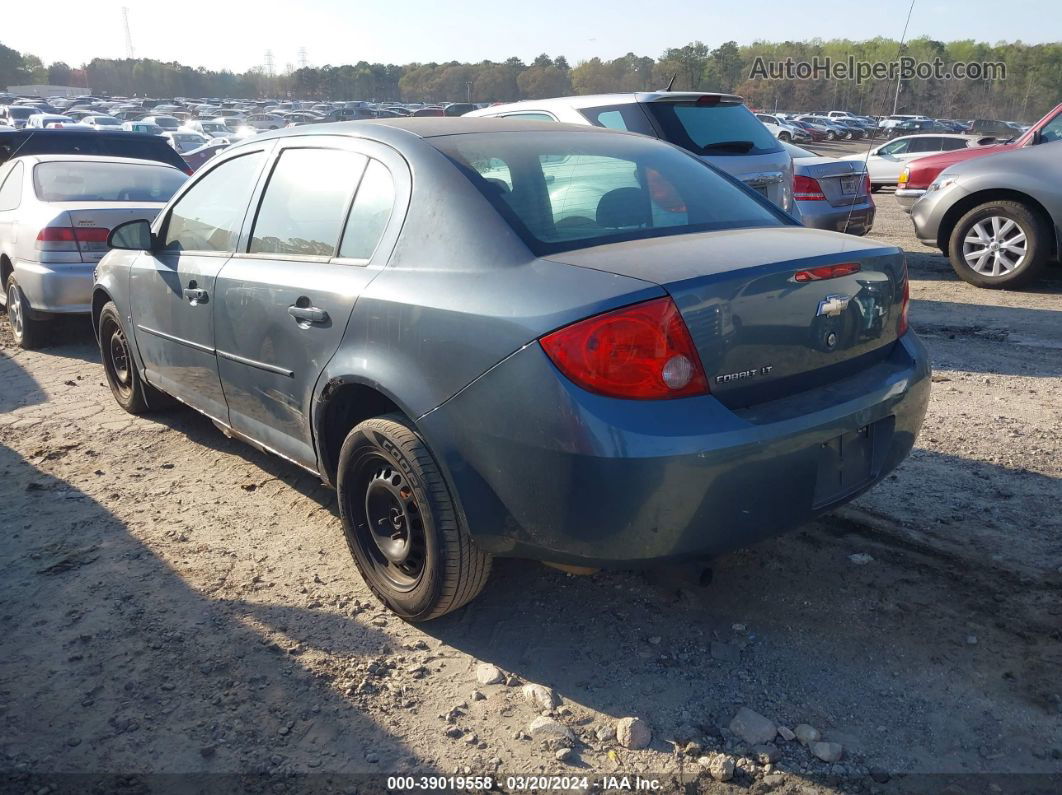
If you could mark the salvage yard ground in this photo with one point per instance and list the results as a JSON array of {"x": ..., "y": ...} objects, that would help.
[{"x": 174, "y": 602}]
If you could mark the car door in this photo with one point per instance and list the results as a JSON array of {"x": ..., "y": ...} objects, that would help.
[
  {"x": 284, "y": 301},
  {"x": 10, "y": 199},
  {"x": 171, "y": 288},
  {"x": 889, "y": 160}
]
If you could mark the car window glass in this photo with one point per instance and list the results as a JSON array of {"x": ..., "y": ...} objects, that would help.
[
  {"x": 530, "y": 116},
  {"x": 78, "y": 180},
  {"x": 619, "y": 117},
  {"x": 951, "y": 144},
  {"x": 930, "y": 144},
  {"x": 895, "y": 147},
  {"x": 1052, "y": 131},
  {"x": 304, "y": 203},
  {"x": 11, "y": 190},
  {"x": 369, "y": 213},
  {"x": 208, "y": 217}
]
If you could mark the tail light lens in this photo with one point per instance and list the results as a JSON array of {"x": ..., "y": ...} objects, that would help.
[
  {"x": 640, "y": 352},
  {"x": 56, "y": 238},
  {"x": 903, "y": 325},
  {"x": 806, "y": 189},
  {"x": 92, "y": 238}
]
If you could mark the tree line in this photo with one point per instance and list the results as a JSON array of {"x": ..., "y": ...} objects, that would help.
[{"x": 1029, "y": 89}]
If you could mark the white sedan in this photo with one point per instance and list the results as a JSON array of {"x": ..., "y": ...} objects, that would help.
[{"x": 887, "y": 161}]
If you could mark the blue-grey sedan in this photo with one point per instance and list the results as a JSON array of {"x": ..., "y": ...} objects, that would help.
[{"x": 503, "y": 338}]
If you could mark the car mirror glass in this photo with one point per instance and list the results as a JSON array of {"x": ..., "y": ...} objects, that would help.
[{"x": 131, "y": 236}]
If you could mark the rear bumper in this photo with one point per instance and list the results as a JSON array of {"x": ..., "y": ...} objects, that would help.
[
  {"x": 542, "y": 469},
  {"x": 56, "y": 289},
  {"x": 906, "y": 197},
  {"x": 855, "y": 220}
]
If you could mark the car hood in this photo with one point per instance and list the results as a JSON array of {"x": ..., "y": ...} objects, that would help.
[{"x": 924, "y": 170}]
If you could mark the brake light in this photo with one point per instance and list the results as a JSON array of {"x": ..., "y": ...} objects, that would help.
[
  {"x": 708, "y": 99},
  {"x": 806, "y": 189},
  {"x": 826, "y": 272},
  {"x": 903, "y": 325},
  {"x": 640, "y": 352},
  {"x": 92, "y": 238},
  {"x": 56, "y": 238}
]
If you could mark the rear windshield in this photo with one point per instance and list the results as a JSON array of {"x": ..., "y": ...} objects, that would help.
[
  {"x": 74, "y": 180},
  {"x": 564, "y": 190},
  {"x": 722, "y": 129},
  {"x": 21, "y": 113},
  {"x": 88, "y": 142}
]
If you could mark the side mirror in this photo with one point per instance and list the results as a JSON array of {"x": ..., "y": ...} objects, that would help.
[{"x": 132, "y": 236}]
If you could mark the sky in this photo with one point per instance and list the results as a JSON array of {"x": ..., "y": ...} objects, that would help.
[{"x": 236, "y": 35}]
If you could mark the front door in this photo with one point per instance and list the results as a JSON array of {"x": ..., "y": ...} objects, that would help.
[
  {"x": 172, "y": 288},
  {"x": 283, "y": 303}
]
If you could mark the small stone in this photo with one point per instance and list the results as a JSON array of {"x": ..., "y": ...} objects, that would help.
[
  {"x": 543, "y": 728},
  {"x": 786, "y": 734},
  {"x": 207, "y": 751},
  {"x": 379, "y": 621},
  {"x": 564, "y": 754},
  {"x": 971, "y": 640},
  {"x": 453, "y": 732},
  {"x": 752, "y": 727},
  {"x": 487, "y": 674},
  {"x": 693, "y": 749},
  {"x": 633, "y": 733},
  {"x": 655, "y": 640},
  {"x": 478, "y": 695},
  {"x": 541, "y": 696},
  {"x": 827, "y": 752},
  {"x": 806, "y": 734},
  {"x": 767, "y": 753},
  {"x": 861, "y": 558},
  {"x": 720, "y": 766},
  {"x": 371, "y": 758},
  {"x": 605, "y": 734}
]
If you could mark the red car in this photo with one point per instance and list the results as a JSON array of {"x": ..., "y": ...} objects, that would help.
[
  {"x": 816, "y": 133},
  {"x": 918, "y": 175}
]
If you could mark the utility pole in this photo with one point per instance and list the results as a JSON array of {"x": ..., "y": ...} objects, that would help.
[
  {"x": 269, "y": 62},
  {"x": 129, "y": 51},
  {"x": 896, "y": 96},
  {"x": 302, "y": 57},
  {"x": 468, "y": 86}
]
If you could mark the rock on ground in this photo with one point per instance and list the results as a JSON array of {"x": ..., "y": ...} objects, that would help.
[
  {"x": 543, "y": 728},
  {"x": 487, "y": 674},
  {"x": 752, "y": 727},
  {"x": 720, "y": 766},
  {"x": 807, "y": 734},
  {"x": 541, "y": 696},
  {"x": 827, "y": 752},
  {"x": 633, "y": 733}
]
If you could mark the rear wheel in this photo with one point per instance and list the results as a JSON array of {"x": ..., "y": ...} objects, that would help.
[
  {"x": 831, "y": 135},
  {"x": 784, "y": 136},
  {"x": 28, "y": 332},
  {"x": 130, "y": 391},
  {"x": 401, "y": 524},
  {"x": 1001, "y": 244}
]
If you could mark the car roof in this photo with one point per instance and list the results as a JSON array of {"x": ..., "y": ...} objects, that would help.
[
  {"x": 92, "y": 159},
  {"x": 596, "y": 100}
]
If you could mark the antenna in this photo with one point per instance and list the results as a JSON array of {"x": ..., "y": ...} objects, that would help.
[
  {"x": 129, "y": 51},
  {"x": 302, "y": 57},
  {"x": 269, "y": 62},
  {"x": 671, "y": 82}
]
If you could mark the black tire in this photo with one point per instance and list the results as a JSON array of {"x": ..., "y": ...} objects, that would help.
[
  {"x": 1037, "y": 245},
  {"x": 831, "y": 135},
  {"x": 875, "y": 188},
  {"x": 130, "y": 391},
  {"x": 784, "y": 136},
  {"x": 387, "y": 478},
  {"x": 28, "y": 332}
]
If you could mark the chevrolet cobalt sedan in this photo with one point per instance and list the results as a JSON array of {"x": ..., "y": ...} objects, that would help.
[{"x": 498, "y": 337}]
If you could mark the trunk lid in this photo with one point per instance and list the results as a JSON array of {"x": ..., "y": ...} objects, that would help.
[
  {"x": 841, "y": 180},
  {"x": 102, "y": 215},
  {"x": 760, "y": 333}
]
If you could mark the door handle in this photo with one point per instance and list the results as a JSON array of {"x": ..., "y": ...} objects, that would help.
[
  {"x": 308, "y": 314},
  {"x": 195, "y": 295}
]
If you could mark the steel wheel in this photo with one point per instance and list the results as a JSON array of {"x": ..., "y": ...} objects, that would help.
[
  {"x": 14, "y": 310},
  {"x": 995, "y": 246},
  {"x": 119, "y": 363},
  {"x": 391, "y": 526}
]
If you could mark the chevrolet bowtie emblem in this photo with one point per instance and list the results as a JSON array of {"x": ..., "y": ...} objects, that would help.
[{"x": 832, "y": 305}]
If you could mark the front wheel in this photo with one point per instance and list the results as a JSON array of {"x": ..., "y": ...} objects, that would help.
[
  {"x": 831, "y": 135},
  {"x": 401, "y": 524},
  {"x": 784, "y": 136},
  {"x": 1001, "y": 244},
  {"x": 28, "y": 332}
]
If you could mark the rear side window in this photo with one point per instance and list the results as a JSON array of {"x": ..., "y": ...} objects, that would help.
[
  {"x": 951, "y": 144},
  {"x": 66, "y": 181},
  {"x": 370, "y": 212},
  {"x": 723, "y": 128},
  {"x": 302, "y": 210},
  {"x": 11, "y": 190},
  {"x": 628, "y": 117},
  {"x": 209, "y": 215},
  {"x": 930, "y": 144}
]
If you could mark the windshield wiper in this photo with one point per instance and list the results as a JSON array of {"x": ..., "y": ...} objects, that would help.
[{"x": 735, "y": 146}]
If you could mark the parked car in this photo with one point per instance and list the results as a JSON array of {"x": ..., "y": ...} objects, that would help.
[
  {"x": 210, "y": 128},
  {"x": 782, "y": 129},
  {"x": 716, "y": 127},
  {"x": 831, "y": 193},
  {"x": 834, "y": 129},
  {"x": 167, "y": 123},
  {"x": 816, "y": 131},
  {"x": 265, "y": 121},
  {"x": 16, "y": 115},
  {"x": 996, "y": 218},
  {"x": 197, "y": 158},
  {"x": 917, "y": 176},
  {"x": 83, "y": 141},
  {"x": 885, "y": 163},
  {"x": 185, "y": 140},
  {"x": 144, "y": 127},
  {"x": 891, "y": 121},
  {"x": 686, "y": 327},
  {"x": 40, "y": 121},
  {"x": 1003, "y": 130},
  {"x": 101, "y": 122},
  {"x": 56, "y": 212}
]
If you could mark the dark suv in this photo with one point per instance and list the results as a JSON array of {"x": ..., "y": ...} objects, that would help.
[{"x": 90, "y": 142}]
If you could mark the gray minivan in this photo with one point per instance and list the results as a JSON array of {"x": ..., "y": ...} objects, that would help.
[{"x": 716, "y": 127}]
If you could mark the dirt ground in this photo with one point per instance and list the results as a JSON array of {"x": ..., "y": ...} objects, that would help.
[{"x": 175, "y": 603}]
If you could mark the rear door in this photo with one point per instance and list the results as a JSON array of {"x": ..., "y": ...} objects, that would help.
[
  {"x": 172, "y": 288},
  {"x": 284, "y": 301}
]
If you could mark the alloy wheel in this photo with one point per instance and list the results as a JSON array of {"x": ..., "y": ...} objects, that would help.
[
  {"x": 995, "y": 246},
  {"x": 14, "y": 310}
]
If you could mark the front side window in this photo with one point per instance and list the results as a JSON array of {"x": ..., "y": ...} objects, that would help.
[
  {"x": 83, "y": 181},
  {"x": 571, "y": 190},
  {"x": 304, "y": 204},
  {"x": 1052, "y": 131},
  {"x": 208, "y": 217},
  {"x": 895, "y": 147},
  {"x": 370, "y": 212}
]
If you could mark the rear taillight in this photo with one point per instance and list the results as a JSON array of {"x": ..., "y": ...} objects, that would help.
[
  {"x": 826, "y": 272},
  {"x": 640, "y": 352},
  {"x": 806, "y": 189},
  {"x": 902, "y": 326},
  {"x": 56, "y": 238},
  {"x": 92, "y": 238}
]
